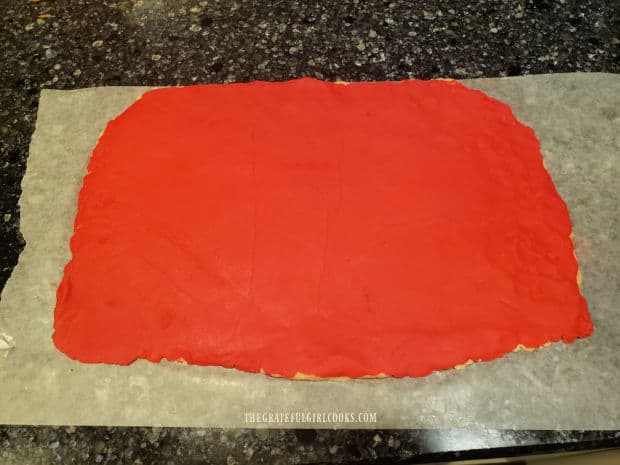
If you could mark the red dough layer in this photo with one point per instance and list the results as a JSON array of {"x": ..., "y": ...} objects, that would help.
[{"x": 320, "y": 228}]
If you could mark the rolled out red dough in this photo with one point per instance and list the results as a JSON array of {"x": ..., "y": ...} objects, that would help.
[{"x": 368, "y": 229}]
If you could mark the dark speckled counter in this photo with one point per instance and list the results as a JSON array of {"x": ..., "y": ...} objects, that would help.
[
  {"x": 70, "y": 44},
  {"x": 138, "y": 446}
]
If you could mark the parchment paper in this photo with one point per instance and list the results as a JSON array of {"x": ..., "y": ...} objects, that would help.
[{"x": 576, "y": 386}]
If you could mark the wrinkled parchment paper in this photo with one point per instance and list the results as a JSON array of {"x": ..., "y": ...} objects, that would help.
[{"x": 576, "y": 386}]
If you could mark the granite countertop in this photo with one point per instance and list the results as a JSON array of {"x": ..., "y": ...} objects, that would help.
[
  {"x": 137, "y": 446},
  {"x": 66, "y": 44}
]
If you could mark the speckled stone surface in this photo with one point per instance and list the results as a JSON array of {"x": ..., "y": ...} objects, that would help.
[
  {"x": 179, "y": 446},
  {"x": 83, "y": 44}
]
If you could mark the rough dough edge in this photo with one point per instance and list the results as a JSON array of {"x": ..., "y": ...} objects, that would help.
[{"x": 307, "y": 377}]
